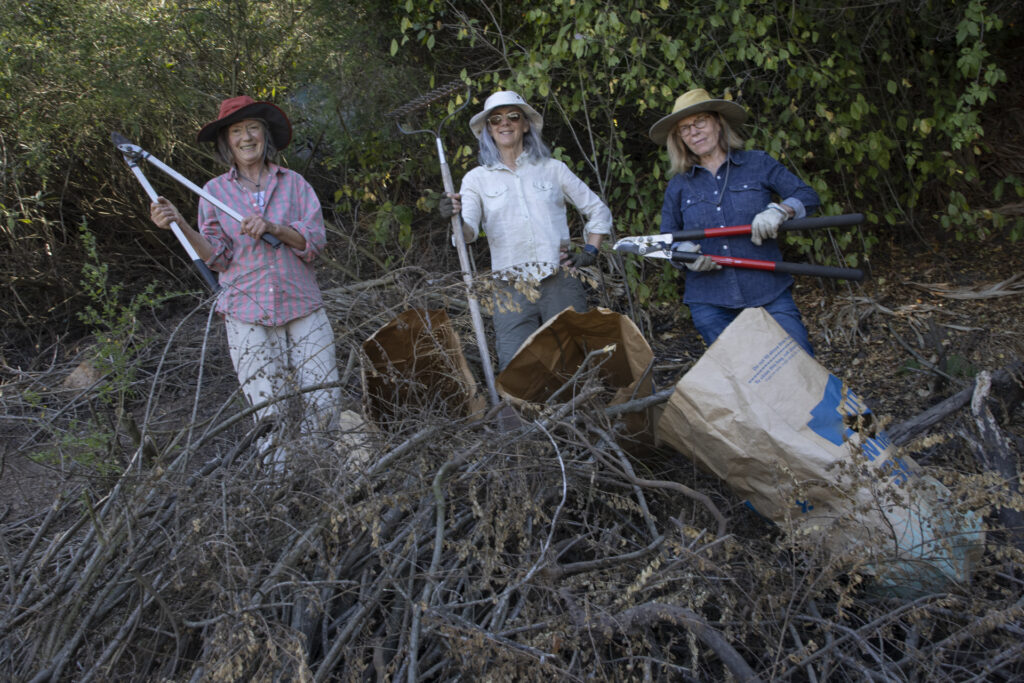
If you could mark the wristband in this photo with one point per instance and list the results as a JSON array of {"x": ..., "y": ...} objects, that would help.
[
  {"x": 781, "y": 209},
  {"x": 590, "y": 249}
]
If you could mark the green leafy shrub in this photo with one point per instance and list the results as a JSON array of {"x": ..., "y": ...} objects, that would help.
[{"x": 827, "y": 85}]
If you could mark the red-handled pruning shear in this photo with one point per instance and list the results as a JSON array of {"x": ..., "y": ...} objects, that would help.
[{"x": 660, "y": 246}]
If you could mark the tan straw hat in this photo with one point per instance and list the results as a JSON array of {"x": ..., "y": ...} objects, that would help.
[
  {"x": 694, "y": 102},
  {"x": 505, "y": 98},
  {"x": 244, "y": 107}
]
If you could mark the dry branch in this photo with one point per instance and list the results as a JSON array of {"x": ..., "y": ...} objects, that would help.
[
  {"x": 1008, "y": 287},
  {"x": 1009, "y": 390},
  {"x": 453, "y": 552},
  {"x": 992, "y": 449}
]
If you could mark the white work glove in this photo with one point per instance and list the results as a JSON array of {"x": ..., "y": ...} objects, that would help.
[
  {"x": 765, "y": 225},
  {"x": 703, "y": 264}
]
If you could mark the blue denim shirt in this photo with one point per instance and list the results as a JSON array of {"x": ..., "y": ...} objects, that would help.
[{"x": 696, "y": 200}]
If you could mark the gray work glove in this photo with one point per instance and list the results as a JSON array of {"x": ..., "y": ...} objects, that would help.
[
  {"x": 581, "y": 258},
  {"x": 765, "y": 225},
  {"x": 446, "y": 207},
  {"x": 701, "y": 265}
]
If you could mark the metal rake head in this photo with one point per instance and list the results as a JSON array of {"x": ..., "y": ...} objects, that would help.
[
  {"x": 427, "y": 99},
  {"x": 424, "y": 101}
]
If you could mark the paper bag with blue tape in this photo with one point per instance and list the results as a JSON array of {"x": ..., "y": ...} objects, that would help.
[{"x": 807, "y": 453}]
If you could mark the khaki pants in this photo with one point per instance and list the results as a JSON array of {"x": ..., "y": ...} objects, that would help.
[{"x": 273, "y": 361}]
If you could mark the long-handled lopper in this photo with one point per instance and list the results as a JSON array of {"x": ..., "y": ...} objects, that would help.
[
  {"x": 133, "y": 155},
  {"x": 660, "y": 246},
  {"x": 411, "y": 107}
]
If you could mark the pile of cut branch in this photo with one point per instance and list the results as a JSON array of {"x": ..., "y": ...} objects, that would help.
[{"x": 431, "y": 548}]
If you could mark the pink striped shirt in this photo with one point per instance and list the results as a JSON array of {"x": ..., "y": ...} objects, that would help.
[{"x": 261, "y": 284}]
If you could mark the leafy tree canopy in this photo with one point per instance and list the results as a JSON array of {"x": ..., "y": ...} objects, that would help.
[{"x": 882, "y": 108}]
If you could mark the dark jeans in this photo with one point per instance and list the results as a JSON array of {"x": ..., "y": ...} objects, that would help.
[{"x": 710, "y": 320}]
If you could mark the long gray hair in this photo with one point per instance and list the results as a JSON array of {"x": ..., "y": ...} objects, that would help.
[
  {"x": 681, "y": 159},
  {"x": 224, "y": 147},
  {"x": 533, "y": 148}
]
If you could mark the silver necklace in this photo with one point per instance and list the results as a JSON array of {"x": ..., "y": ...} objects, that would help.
[
  {"x": 257, "y": 195},
  {"x": 255, "y": 184}
]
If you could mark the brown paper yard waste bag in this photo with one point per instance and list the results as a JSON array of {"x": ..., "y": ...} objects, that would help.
[
  {"x": 415, "y": 362},
  {"x": 805, "y": 452},
  {"x": 552, "y": 354}
]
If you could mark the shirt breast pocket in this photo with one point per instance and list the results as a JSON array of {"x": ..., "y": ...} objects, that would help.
[
  {"x": 495, "y": 198},
  {"x": 748, "y": 199},
  {"x": 699, "y": 213},
  {"x": 547, "y": 190}
]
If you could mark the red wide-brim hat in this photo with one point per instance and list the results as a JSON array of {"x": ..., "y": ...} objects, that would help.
[{"x": 244, "y": 107}]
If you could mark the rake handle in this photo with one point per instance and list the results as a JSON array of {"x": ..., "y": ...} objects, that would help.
[
  {"x": 457, "y": 236},
  {"x": 467, "y": 277}
]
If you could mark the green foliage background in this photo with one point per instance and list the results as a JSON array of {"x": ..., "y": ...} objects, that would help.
[{"x": 886, "y": 109}]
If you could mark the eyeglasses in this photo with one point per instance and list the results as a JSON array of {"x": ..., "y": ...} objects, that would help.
[
  {"x": 511, "y": 117},
  {"x": 699, "y": 123}
]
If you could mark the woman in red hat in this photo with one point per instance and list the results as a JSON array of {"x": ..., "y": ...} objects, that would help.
[{"x": 269, "y": 298}]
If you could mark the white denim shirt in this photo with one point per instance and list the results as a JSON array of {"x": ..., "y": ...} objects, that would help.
[{"x": 523, "y": 214}]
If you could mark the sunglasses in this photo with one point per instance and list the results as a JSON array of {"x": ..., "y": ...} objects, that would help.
[{"x": 511, "y": 117}]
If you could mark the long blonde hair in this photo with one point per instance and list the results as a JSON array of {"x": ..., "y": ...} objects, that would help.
[{"x": 681, "y": 159}]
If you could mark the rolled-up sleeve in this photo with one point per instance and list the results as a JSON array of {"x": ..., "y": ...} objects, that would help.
[
  {"x": 220, "y": 242},
  {"x": 789, "y": 187},
  {"x": 472, "y": 204},
  {"x": 306, "y": 218}
]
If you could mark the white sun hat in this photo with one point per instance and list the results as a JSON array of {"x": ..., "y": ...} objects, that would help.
[{"x": 505, "y": 98}]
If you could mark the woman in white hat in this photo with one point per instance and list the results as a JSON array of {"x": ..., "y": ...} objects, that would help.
[
  {"x": 717, "y": 183},
  {"x": 517, "y": 195},
  {"x": 269, "y": 298}
]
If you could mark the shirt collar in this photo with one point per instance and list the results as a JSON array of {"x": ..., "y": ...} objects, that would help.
[
  {"x": 523, "y": 159},
  {"x": 272, "y": 169},
  {"x": 733, "y": 156}
]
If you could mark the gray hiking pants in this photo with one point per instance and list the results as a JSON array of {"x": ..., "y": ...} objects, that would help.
[{"x": 516, "y": 317}]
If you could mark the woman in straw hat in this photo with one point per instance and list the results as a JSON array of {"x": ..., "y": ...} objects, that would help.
[
  {"x": 271, "y": 303},
  {"x": 717, "y": 183},
  {"x": 518, "y": 194}
]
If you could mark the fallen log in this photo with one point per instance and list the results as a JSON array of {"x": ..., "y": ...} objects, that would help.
[
  {"x": 992, "y": 397},
  {"x": 994, "y": 452},
  {"x": 1007, "y": 393}
]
